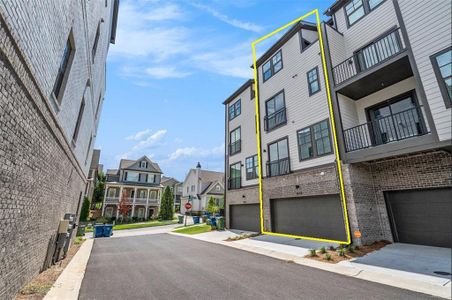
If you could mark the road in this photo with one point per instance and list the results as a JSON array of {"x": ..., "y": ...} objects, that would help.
[{"x": 164, "y": 266}]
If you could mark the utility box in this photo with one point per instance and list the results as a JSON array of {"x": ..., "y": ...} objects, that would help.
[{"x": 63, "y": 226}]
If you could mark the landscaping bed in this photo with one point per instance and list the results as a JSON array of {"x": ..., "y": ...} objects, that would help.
[
  {"x": 193, "y": 229},
  {"x": 335, "y": 255},
  {"x": 38, "y": 287}
]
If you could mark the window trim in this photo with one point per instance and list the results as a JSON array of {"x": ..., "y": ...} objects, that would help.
[
  {"x": 316, "y": 69},
  {"x": 367, "y": 11},
  {"x": 235, "y": 109},
  {"x": 271, "y": 65},
  {"x": 58, "y": 98},
  {"x": 314, "y": 145},
  {"x": 78, "y": 122},
  {"x": 439, "y": 78},
  {"x": 239, "y": 140},
  {"x": 230, "y": 175},
  {"x": 266, "y": 110},
  {"x": 256, "y": 174},
  {"x": 95, "y": 43},
  {"x": 288, "y": 155}
]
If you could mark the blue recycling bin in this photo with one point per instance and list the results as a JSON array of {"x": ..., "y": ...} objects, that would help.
[
  {"x": 98, "y": 230},
  {"x": 195, "y": 220},
  {"x": 108, "y": 230},
  {"x": 213, "y": 221}
]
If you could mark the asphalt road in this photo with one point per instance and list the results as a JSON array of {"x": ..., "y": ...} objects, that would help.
[{"x": 164, "y": 266}]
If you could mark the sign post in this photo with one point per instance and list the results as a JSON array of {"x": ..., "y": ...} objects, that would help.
[{"x": 187, "y": 207}]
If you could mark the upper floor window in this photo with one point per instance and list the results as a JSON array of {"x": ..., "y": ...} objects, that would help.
[
  {"x": 313, "y": 81},
  {"x": 192, "y": 188},
  {"x": 278, "y": 158},
  {"x": 356, "y": 9},
  {"x": 252, "y": 168},
  {"x": 79, "y": 121},
  {"x": 314, "y": 141},
  {"x": 144, "y": 164},
  {"x": 275, "y": 109},
  {"x": 96, "y": 42},
  {"x": 64, "y": 68},
  {"x": 442, "y": 65},
  {"x": 235, "y": 176},
  {"x": 234, "y": 141},
  {"x": 235, "y": 109},
  {"x": 272, "y": 66}
]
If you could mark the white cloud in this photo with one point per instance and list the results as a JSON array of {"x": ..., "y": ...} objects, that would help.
[
  {"x": 195, "y": 152},
  {"x": 165, "y": 72},
  {"x": 139, "y": 135},
  {"x": 144, "y": 144}
]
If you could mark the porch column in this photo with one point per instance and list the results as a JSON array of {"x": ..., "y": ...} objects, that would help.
[
  {"x": 134, "y": 198},
  {"x": 146, "y": 213},
  {"x": 105, "y": 198},
  {"x": 119, "y": 199}
]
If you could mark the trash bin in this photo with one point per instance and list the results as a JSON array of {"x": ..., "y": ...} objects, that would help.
[
  {"x": 98, "y": 230},
  {"x": 213, "y": 221},
  {"x": 195, "y": 220},
  {"x": 220, "y": 223},
  {"x": 180, "y": 219},
  {"x": 108, "y": 230}
]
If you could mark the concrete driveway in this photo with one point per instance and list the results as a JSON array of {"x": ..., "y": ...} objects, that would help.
[
  {"x": 411, "y": 258},
  {"x": 163, "y": 266}
]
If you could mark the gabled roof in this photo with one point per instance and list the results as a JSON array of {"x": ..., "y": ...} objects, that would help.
[
  {"x": 169, "y": 180},
  {"x": 209, "y": 176},
  {"x": 112, "y": 171},
  {"x": 211, "y": 188},
  {"x": 127, "y": 164}
]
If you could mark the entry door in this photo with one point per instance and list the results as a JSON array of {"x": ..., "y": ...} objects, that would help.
[{"x": 421, "y": 216}]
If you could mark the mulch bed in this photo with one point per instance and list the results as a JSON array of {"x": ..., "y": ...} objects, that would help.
[
  {"x": 361, "y": 251},
  {"x": 38, "y": 287}
]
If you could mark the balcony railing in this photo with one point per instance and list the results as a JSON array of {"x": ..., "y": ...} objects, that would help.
[
  {"x": 140, "y": 201},
  {"x": 113, "y": 200},
  {"x": 278, "y": 167},
  {"x": 235, "y": 147},
  {"x": 153, "y": 201},
  {"x": 275, "y": 119},
  {"x": 370, "y": 56},
  {"x": 235, "y": 183},
  {"x": 395, "y": 127}
]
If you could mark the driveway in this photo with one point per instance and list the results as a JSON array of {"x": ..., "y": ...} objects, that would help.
[
  {"x": 163, "y": 266},
  {"x": 433, "y": 261}
]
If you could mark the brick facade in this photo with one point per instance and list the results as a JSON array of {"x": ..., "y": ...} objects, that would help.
[{"x": 245, "y": 195}]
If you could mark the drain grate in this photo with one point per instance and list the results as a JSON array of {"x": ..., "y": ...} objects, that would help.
[{"x": 442, "y": 273}]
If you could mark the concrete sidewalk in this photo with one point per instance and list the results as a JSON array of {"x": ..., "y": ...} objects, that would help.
[{"x": 432, "y": 285}]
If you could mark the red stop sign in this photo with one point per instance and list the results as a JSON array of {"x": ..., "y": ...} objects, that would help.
[{"x": 188, "y": 206}]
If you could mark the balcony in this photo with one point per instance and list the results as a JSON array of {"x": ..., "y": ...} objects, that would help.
[
  {"x": 381, "y": 63},
  {"x": 111, "y": 200},
  {"x": 278, "y": 167},
  {"x": 235, "y": 183},
  {"x": 140, "y": 201},
  {"x": 275, "y": 119},
  {"x": 235, "y": 147},
  {"x": 392, "y": 128}
]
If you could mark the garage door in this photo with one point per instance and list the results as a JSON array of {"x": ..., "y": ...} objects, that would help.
[
  {"x": 421, "y": 216},
  {"x": 244, "y": 217},
  {"x": 320, "y": 217}
]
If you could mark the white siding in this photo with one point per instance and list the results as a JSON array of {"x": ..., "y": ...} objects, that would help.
[
  {"x": 429, "y": 30},
  {"x": 348, "y": 111},
  {"x": 302, "y": 110},
  {"x": 336, "y": 45},
  {"x": 246, "y": 121}
]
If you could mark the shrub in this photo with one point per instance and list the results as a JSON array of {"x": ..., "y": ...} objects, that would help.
[
  {"x": 102, "y": 220},
  {"x": 166, "y": 205},
  {"x": 312, "y": 252},
  {"x": 332, "y": 248},
  {"x": 341, "y": 252},
  {"x": 85, "y": 210},
  {"x": 351, "y": 249},
  {"x": 322, "y": 250},
  {"x": 327, "y": 256}
]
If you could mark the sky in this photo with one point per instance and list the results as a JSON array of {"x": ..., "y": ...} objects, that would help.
[{"x": 171, "y": 68}]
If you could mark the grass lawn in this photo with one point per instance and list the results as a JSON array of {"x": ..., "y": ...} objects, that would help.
[
  {"x": 138, "y": 225},
  {"x": 194, "y": 229}
]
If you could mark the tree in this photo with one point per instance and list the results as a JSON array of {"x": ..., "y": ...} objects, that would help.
[
  {"x": 212, "y": 207},
  {"x": 167, "y": 205},
  {"x": 84, "y": 213},
  {"x": 124, "y": 204},
  {"x": 99, "y": 190}
]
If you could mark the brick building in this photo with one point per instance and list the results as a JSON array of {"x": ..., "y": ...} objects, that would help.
[{"x": 52, "y": 85}]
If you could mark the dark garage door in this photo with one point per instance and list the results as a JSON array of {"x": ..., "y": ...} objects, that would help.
[
  {"x": 421, "y": 216},
  {"x": 244, "y": 217},
  {"x": 319, "y": 216}
]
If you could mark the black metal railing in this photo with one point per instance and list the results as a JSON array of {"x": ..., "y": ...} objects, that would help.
[
  {"x": 370, "y": 56},
  {"x": 278, "y": 167},
  {"x": 275, "y": 119},
  {"x": 235, "y": 147},
  {"x": 235, "y": 183},
  {"x": 395, "y": 127}
]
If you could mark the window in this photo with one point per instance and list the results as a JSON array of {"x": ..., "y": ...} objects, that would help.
[
  {"x": 112, "y": 192},
  {"x": 272, "y": 66},
  {"x": 275, "y": 112},
  {"x": 153, "y": 195},
  {"x": 278, "y": 158},
  {"x": 314, "y": 141},
  {"x": 252, "y": 168},
  {"x": 151, "y": 178},
  {"x": 144, "y": 164},
  {"x": 132, "y": 176},
  {"x": 87, "y": 150},
  {"x": 235, "y": 176},
  {"x": 356, "y": 9},
  {"x": 442, "y": 65},
  {"x": 96, "y": 42},
  {"x": 79, "y": 120},
  {"x": 313, "y": 81},
  {"x": 63, "y": 69},
  {"x": 192, "y": 188},
  {"x": 235, "y": 110},
  {"x": 234, "y": 141}
]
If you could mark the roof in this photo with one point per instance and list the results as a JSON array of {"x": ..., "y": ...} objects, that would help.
[
  {"x": 240, "y": 90},
  {"x": 287, "y": 36},
  {"x": 335, "y": 7},
  {"x": 168, "y": 180},
  {"x": 128, "y": 164},
  {"x": 209, "y": 176},
  {"x": 112, "y": 171},
  {"x": 207, "y": 189}
]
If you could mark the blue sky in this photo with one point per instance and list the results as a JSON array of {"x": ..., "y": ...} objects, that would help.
[{"x": 173, "y": 64}]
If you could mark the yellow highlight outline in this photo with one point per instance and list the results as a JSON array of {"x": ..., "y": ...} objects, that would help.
[{"x": 333, "y": 129}]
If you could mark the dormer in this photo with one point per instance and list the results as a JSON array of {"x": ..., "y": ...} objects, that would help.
[{"x": 143, "y": 164}]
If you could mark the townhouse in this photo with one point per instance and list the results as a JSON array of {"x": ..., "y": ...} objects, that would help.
[
  {"x": 176, "y": 187},
  {"x": 389, "y": 64},
  {"x": 52, "y": 85},
  {"x": 133, "y": 190}
]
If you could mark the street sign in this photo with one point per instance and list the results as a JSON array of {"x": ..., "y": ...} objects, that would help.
[{"x": 188, "y": 206}]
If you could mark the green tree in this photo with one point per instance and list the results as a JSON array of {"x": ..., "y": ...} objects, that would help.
[
  {"x": 99, "y": 190},
  {"x": 84, "y": 213},
  {"x": 212, "y": 207},
  {"x": 167, "y": 205}
]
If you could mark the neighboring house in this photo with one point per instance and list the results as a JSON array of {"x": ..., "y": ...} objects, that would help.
[
  {"x": 52, "y": 85},
  {"x": 199, "y": 185},
  {"x": 391, "y": 94},
  {"x": 94, "y": 170},
  {"x": 176, "y": 188},
  {"x": 136, "y": 184}
]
